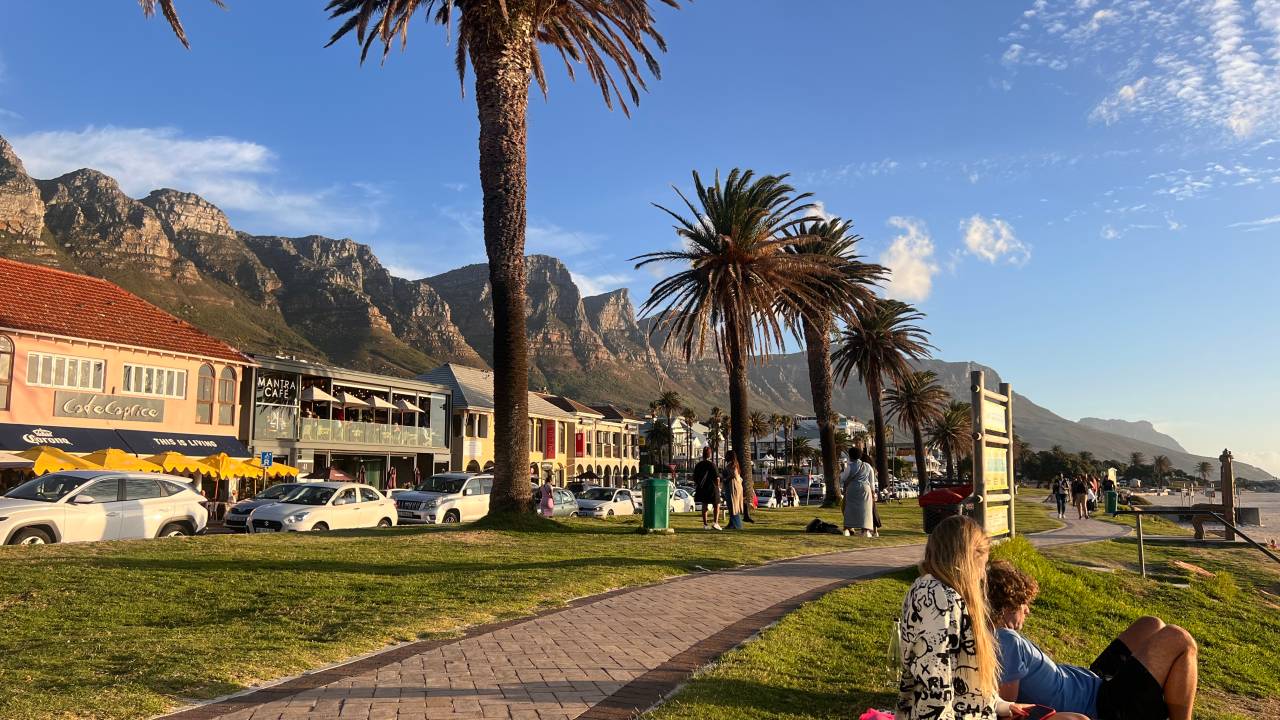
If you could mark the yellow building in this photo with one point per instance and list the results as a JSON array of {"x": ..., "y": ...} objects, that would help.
[
  {"x": 473, "y": 425},
  {"x": 603, "y": 444}
]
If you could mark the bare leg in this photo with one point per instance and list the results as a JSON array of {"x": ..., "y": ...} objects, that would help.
[
  {"x": 1140, "y": 632},
  {"x": 1170, "y": 655}
]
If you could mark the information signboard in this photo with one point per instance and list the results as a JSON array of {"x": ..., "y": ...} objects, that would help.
[{"x": 994, "y": 488}]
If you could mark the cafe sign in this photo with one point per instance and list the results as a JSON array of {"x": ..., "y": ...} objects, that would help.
[
  {"x": 96, "y": 406},
  {"x": 275, "y": 388}
]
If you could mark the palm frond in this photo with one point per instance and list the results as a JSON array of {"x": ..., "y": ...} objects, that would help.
[{"x": 170, "y": 12}]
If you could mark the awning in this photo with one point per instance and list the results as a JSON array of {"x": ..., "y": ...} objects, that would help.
[
  {"x": 405, "y": 406},
  {"x": 147, "y": 442},
  {"x": 349, "y": 400},
  {"x": 9, "y": 461},
  {"x": 380, "y": 404},
  {"x": 315, "y": 394},
  {"x": 15, "y": 437}
]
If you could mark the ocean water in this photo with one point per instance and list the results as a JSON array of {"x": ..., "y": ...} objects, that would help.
[{"x": 1268, "y": 503}]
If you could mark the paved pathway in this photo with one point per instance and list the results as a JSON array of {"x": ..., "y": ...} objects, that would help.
[{"x": 602, "y": 658}]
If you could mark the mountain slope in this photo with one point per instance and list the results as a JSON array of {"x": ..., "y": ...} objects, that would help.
[{"x": 1139, "y": 430}]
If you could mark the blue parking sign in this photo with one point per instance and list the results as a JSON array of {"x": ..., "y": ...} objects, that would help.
[{"x": 266, "y": 459}]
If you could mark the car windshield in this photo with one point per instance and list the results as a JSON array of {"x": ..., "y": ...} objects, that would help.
[
  {"x": 50, "y": 488},
  {"x": 765, "y": 493},
  {"x": 310, "y": 496},
  {"x": 275, "y": 492},
  {"x": 442, "y": 484},
  {"x": 598, "y": 494}
]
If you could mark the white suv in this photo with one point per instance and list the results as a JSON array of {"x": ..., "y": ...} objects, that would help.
[
  {"x": 83, "y": 505},
  {"x": 446, "y": 498}
]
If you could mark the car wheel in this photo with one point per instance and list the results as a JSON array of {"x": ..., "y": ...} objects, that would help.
[
  {"x": 384, "y": 523},
  {"x": 31, "y": 536},
  {"x": 452, "y": 517},
  {"x": 319, "y": 527},
  {"x": 174, "y": 530}
]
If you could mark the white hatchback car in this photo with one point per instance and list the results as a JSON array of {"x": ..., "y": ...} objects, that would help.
[
  {"x": 606, "y": 502},
  {"x": 325, "y": 506},
  {"x": 682, "y": 501},
  {"x": 83, "y": 505},
  {"x": 451, "y": 497}
]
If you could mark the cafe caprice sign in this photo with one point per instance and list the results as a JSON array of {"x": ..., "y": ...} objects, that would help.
[{"x": 95, "y": 406}]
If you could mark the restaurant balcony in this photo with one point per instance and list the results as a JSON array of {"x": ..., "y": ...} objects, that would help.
[{"x": 366, "y": 433}]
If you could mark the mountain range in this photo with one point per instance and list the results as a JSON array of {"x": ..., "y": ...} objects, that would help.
[{"x": 331, "y": 300}]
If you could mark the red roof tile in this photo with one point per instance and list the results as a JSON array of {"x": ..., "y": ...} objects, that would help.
[{"x": 56, "y": 302}]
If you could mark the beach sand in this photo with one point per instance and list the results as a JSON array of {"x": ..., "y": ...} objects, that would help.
[{"x": 1268, "y": 503}]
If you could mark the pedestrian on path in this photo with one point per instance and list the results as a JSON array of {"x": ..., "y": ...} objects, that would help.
[
  {"x": 949, "y": 663},
  {"x": 1080, "y": 497},
  {"x": 548, "y": 500},
  {"x": 795, "y": 496},
  {"x": 1060, "y": 489},
  {"x": 706, "y": 489},
  {"x": 859, "y": 482},
  {"x": 732, "y": 479}
]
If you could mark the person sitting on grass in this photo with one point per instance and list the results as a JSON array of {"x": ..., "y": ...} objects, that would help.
[{"x": 1148, "y": 673}]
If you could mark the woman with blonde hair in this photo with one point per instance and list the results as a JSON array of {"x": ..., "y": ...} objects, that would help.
[
  {"x": 950, "y": 667},
  {"x": 732, "y": 479}
]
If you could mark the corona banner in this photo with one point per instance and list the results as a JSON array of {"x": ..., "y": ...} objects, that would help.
[{"x": 994, "y": 489}]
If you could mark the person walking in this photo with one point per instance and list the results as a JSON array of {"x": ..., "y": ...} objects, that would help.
[
  {"x": 706, "y": 489},
  {"x": 1080, "y": 497},
  {"x": 732, "y": 481},
  {"x": 1060, "y": 489},
  {"x": 547, "y": 503},
  {"x": 858, "y": 482},
  {"x": 795, "y": 496}
]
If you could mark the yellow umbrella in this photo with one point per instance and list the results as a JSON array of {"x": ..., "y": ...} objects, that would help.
[
  {"x": 47, "y": 459},
  {"x": 176, "y": 462},
  {"x": 113, "y": 459},
  {"x": 276, "y": 471},
  {"x": 227, "y": 468}
]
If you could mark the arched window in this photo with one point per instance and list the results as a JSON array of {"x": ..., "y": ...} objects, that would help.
[
  {"x": 6, "y": 370},
  {"x": 227, "y": 397},
  {"x": 473, "y": 466},
  {"x": 204, "y": 395}
]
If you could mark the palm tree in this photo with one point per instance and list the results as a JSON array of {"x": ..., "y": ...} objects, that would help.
[
  {"x": 776, "y": 423},
  {"x": 950, "y": 431},
  {"x": 501, "y": 40},
  {"x": 659, "y": 436},
  {"x": 834, "y": 239},
  {"x": 690, "y": 417},
  {"x": 758, "y": 426},
  {"x": 1203, "y": 470},
  {"x": 843, "y": 441},
  {"x": 740, "y": 283},
  {"x": 1137, "y": 459},
  {"x": 915, "y": 402},
  {"x": 1162, "y": 466},
  {"x": 801, "y": 450},
  {"x": 715, "y": 431},
  {"x": 878, "y": 346},
  {"x": 669, "y": 403},
  {"x": 171, "y": 14}
]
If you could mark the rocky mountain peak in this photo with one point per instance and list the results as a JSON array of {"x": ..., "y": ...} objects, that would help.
[
  {"x": 183, "y": 212},
  {"x": 21, "y": 208}
]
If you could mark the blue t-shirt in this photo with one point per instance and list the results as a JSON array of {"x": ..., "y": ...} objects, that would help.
[{"x": 1065, "y": 688}]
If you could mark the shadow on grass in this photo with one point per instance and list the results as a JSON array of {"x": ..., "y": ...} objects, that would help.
[{"x": 752, "y": 698}]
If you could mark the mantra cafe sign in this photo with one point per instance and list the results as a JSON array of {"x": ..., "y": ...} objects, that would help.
[{"x": 96, "y": 406}]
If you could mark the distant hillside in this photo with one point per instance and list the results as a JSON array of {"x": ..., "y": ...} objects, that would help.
[
  {"x": 1138, "y": 430},
  {"x": 332, "y": 300}
]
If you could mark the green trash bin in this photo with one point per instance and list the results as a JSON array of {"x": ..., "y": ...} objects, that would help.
[
  {"x": 1112, "y": 500},
  {"x": 657, "y": 505}
]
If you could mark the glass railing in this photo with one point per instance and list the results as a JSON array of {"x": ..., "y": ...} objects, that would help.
[{"x": 363, "y": 433}]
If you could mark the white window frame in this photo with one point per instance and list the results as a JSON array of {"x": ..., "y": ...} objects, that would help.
[
  {"x": 130, "y": 373},
  {"x": 36, "y": 360}
]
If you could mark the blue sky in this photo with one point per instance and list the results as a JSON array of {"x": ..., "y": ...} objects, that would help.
[{"x": 1099, "y": 179}]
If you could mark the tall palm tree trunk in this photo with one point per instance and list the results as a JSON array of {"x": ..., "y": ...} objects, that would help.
[
  {"x": 736, "y": 364},
  {"x": 818, "y": 348},
  {"x": 922, "y": 472},
  {"x": 951, "y": 474},
  {"x": 875, "y": 392},
  {"x": 503, "y": 69}
]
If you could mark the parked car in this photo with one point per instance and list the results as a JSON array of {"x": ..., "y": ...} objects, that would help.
[
  {"x": 325, "y": 506},
  {"x": 394, "y": 493},
  {"x": 237, "y": 519},
  {"x": 682, "y": 501},
  {"x": 566, "y": 504},
  {"x": 606, "y": 502},
  {"x": 577, "y": 487},
  {"x": 84, "y": 505},
  {"x": 766, "y": 498},
  {"x": 451, "y": 497}
]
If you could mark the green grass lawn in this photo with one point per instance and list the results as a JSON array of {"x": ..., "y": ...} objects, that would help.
[
  {"x": 830, "y": 658},
  {"x": 130, "y": 629}
]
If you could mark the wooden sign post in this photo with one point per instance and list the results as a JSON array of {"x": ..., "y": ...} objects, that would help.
[{"x": 994, "y": 488}]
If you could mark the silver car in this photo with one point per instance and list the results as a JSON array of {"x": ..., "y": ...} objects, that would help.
[{"x": 237, "y": 519}]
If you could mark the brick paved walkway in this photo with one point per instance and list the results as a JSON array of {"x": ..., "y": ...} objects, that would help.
[{"x": 600, "y": 659}]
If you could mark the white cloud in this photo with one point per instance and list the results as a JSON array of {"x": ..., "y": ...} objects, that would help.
[
  {"x": 994, "y": 240},
  {"x": 1109, "y": 232},
  {"x": 597, "y": 284},
  {"x": 1256, "y": 224},
  {"x": 819, "y": 209},
  {"x": 910, "y": 258},
  {"x": 229, "y": 172}
]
